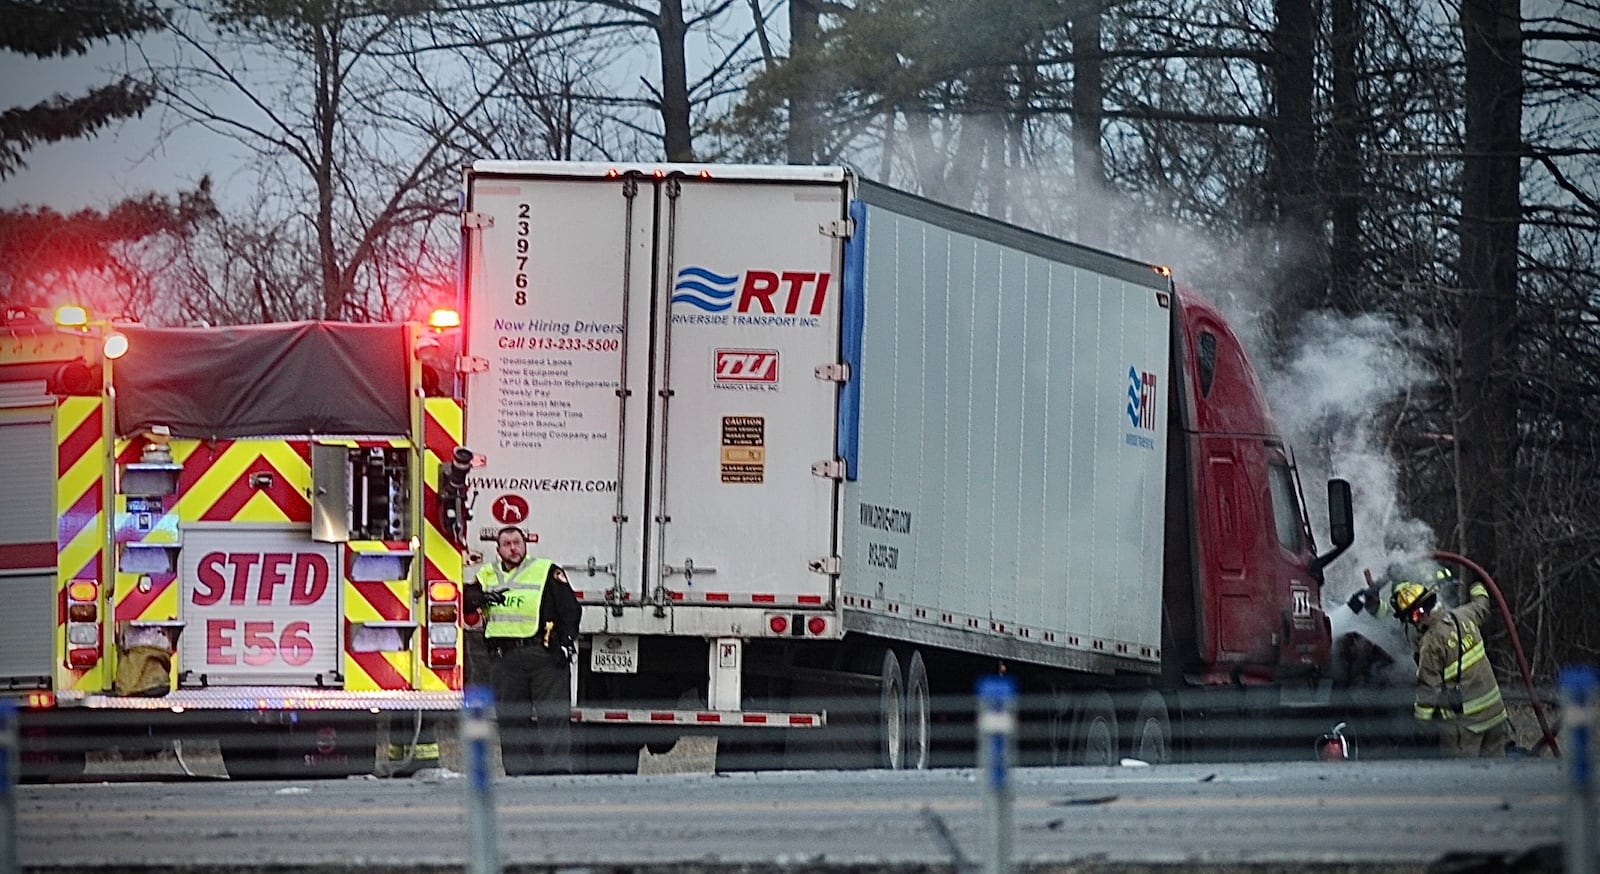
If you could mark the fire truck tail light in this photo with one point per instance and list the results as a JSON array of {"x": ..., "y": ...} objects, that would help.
[
  {"x": 39, "y": 700},
  {"x": 83, "y": 634},
  {"x": 816, "y": 625},
  {"x": 83, "y": 657},
  {"x": 441, "y": 658},
  {"x": 83, "y": 590},
  {"x": 82, "y": 613},
  {"x": 444, "y": 602},
  {"x": 442, "y": 635}
]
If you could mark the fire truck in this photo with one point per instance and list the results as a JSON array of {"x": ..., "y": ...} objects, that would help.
[{"x": 247, "y": 534}]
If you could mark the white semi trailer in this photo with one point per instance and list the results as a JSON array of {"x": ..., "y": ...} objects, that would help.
[{"x": 805, "y": 443}]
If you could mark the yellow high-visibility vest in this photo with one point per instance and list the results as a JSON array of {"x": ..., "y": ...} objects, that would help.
[{"x": 524, "y": 591}]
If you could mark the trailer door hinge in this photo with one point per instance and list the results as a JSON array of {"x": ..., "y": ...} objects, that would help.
[
  {"x": 841, "y": 228},
  {"x": 832, "y": 468},
  {"x": 474, "y": 221},
  {"x": 828, "y": 564},
  {"x": 837, "y": 372},
  {"x": 471, "y": 364}
]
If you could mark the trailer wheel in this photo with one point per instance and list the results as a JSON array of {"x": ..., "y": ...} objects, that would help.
[
  {"x": 1094, "y": 733},
  {"x": 919, "y": 714},
  {"x": 1150, "y": 737},
  {"x": 891, "y": 734}
]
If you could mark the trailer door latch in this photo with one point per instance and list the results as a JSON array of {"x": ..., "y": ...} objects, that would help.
[
  {"x": 830, "y": 469},
  {"x": 835, "y": 372},
  {"x": 828, "y": 564}
]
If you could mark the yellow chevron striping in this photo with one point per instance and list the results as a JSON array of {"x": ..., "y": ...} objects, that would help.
[{"x": 358, "y": 609}]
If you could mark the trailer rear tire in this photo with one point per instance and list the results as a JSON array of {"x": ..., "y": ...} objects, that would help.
[
  {"x": 1094, "y": 734},
  {"x": 919, "y": 714},
  {"x": 891, "y": 722},
  {"x": 1150, "y": 736}
]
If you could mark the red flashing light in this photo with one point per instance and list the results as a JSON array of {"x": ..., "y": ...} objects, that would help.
[
  {"x": 778, "y": 624},
  {"x": 705, "y": 174},
  {"x": 71, "y": 316},
  {"x": 816, "y": 625},
  {"x": 115, "y": 345},
  {"x": 443, "y": 319},
  {"x": 39, "y": 700}
]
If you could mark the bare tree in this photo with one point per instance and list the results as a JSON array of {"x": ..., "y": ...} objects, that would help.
[{"x": 351, "y": 137}]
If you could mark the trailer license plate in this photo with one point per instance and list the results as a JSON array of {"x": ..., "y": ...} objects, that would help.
[{"x": 614, "y": 654}]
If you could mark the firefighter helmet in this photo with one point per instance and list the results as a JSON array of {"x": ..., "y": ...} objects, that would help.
[{"x": 1412, "y": 602}]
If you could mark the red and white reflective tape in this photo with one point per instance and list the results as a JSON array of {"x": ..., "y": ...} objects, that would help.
[
  {"x": 725, "y": 718},
  {"x": 735, "y": 599}
]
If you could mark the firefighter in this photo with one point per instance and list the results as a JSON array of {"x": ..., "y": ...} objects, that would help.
[
  {"x": 1457, "y": 694},
  {"x": 530, "y": 627}
]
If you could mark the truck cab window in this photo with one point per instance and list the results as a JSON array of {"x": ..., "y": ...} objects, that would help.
[
  {"x": 1207, "y": 360},
  {"x": 1285, "y": 507}
]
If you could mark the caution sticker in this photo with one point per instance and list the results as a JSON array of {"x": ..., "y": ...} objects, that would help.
[{"x": 744, "y": 449}]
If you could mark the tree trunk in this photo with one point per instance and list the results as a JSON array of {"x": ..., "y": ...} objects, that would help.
[
  {"x": 1301, "y": 282},
  {"x": 671, "y": 31},
  {"x": 801, "y": 138},
  {"x": 1345, "y": 185},
  {"x": 1490, "y": 222},
  {"x": 1088, "y": 155}
]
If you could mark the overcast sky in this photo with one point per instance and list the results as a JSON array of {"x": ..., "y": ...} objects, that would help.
[{"x": 120, "y": 161}]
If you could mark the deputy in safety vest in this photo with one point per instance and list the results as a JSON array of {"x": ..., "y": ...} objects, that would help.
[
  {"x": 531, "y": 627},
  {"x": 1457, "y": 694}
]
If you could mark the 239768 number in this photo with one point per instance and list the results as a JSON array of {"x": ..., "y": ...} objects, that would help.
[{"x": 520, "y": 276}]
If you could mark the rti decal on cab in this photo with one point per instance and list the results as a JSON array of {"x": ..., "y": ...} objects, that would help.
[
  {"x": 787, "y": 298},
  {"x": 1141, "y": 408}
]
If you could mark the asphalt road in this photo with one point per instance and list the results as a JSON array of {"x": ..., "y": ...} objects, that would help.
[{"x": 1388, "y": 816}]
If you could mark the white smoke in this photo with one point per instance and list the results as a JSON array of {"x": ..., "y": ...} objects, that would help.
[{"x": 1329, "y": 400}]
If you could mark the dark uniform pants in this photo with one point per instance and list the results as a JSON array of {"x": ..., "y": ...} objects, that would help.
[{"x": 529, "y": 683}]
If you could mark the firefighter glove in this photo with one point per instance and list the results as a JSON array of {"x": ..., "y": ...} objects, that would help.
[
  {"x": 497, "y": 597},
  {"x": 1365, "y": 600}
]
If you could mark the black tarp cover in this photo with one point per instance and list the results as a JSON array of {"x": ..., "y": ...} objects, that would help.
[{"x": 257, "y": 380}]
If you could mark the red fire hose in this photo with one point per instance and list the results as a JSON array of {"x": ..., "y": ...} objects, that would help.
[{"x": 1548, "y": 737}]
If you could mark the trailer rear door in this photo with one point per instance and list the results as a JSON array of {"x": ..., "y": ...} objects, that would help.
[
  {"x": 647, "y": 403},
  {"x": 753, "y": 276}
]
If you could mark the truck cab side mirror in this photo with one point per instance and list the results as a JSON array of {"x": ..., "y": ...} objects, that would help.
[{"x": 1341, "y": 524}]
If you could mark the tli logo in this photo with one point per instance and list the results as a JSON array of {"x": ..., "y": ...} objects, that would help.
[
  {"x": 792, "y": 292},
  {"x": 1142, "y": 399},
  {"x": 747, "y": 366}
]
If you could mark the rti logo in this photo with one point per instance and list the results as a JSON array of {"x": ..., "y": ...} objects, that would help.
[
  {"x": 765, "y": 292},
  {"x": 1142, "y": 399},
  {"x": 745, "y": 367}
]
